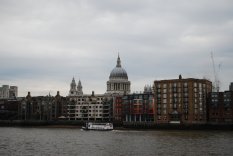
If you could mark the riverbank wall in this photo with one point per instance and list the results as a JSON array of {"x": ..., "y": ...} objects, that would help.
[
  {"x": 25, "y": 123},
  {"x": 167, "y": 126},
  {"x": 117, "y": 125}
]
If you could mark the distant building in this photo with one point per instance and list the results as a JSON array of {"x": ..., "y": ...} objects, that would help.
[
  {"x": 136, "y": 107},
  {"x": 181, "y": 100},
  {"x": 43, "y": 107},
  {"x": 9, "y": 109},
  {"x": 220, "y": 107},
  {"x": 118, "y": 80},
  {"x": 118, "y": 108},
  {"x": 231, "y": 86},
  {"x": 87, "y": 107},
  {"x": 75, "y": 91},
  {"x": 97, "y": 107},
  {"x": 13, "y": 92},
  {"x": 8, "y": 92}
]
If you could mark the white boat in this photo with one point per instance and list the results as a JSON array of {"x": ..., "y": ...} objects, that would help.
[{"x": 98, "y": 126}]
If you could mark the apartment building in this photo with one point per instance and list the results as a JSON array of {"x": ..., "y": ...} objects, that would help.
[
  {"x": 220, "y": 107},
  {"x": 181, "y": 100}
]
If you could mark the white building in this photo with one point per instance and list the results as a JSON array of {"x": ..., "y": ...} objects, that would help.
[
  {"x": 7, "y": 92},
  {"x": 87, "y": 107}
]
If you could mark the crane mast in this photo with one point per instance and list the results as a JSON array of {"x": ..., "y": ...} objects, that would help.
[{"x": 216, "y": 81}]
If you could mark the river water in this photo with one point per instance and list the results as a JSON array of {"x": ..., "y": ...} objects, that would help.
[{"x": 73, "y": 141}]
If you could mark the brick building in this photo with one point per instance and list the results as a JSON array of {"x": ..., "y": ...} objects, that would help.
[
  {"x": 137, "y": 107},
  {"x": 181, "y": 100},
  {"x": 9, "y": 109},
  {"x": 117, "y": 108},
  {"x": 43, "y": 107},
  {"x": 220, "y": 107}
]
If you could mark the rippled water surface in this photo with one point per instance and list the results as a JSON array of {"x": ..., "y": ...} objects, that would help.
[{"x": 72, "y": 141}]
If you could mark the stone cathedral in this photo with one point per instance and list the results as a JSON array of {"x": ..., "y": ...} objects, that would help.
[{"x": 118, "y": 80}]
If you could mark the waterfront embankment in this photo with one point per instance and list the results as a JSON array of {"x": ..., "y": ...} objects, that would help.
[{"x": 117, "y": 125}]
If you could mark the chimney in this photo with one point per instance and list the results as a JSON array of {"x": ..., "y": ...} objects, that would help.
[{"x": 29, "y": 95}]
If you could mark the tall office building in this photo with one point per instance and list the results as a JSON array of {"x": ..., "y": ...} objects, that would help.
[
  {"x": 231, "y": 86},
  {"x": 7, "y": 92}
]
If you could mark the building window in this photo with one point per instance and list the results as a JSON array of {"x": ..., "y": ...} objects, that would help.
[
  {"x": 174, "y": 84},
  {"x": 159, "y": 105},
  {"x": 164, "y": 85},
  {"x": 164, "y": 96},
  {"x": 164, "y": 111},
  {"x": 200, "y": 85},
  {"x": 195, "y": 111},
  {"x": 159, "y": 117}
]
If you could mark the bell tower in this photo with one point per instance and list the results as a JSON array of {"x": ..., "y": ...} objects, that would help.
[
  {"x": 79, "y": 88},
  {"x": 72, "y": 88}
]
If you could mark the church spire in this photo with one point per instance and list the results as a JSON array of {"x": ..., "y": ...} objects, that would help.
[
  {"x": 72, "y": 87},
  {"x": 118, "y": 61},
  {"x": 73, "y": 81},
  {"x": 79, "y": 88}
]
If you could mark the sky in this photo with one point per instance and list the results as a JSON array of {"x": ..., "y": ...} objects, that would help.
[{"x": 44, "y": 44}]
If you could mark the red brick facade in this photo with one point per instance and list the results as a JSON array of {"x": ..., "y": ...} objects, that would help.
[{"x": 181, "y": 100}]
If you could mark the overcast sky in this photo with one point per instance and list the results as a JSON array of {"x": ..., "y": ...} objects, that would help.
[{"x": 43, "y": 44}]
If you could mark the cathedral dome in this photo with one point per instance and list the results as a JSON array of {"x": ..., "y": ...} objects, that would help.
[
  {"x": 118, "y": 80},
  {"x": 118, "y": 72}
]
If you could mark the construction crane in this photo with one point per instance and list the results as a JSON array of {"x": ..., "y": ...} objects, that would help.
[{"x": 216, "y": 80}]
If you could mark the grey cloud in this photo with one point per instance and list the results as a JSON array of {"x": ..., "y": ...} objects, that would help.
[{"x": 56, "y": 40}]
